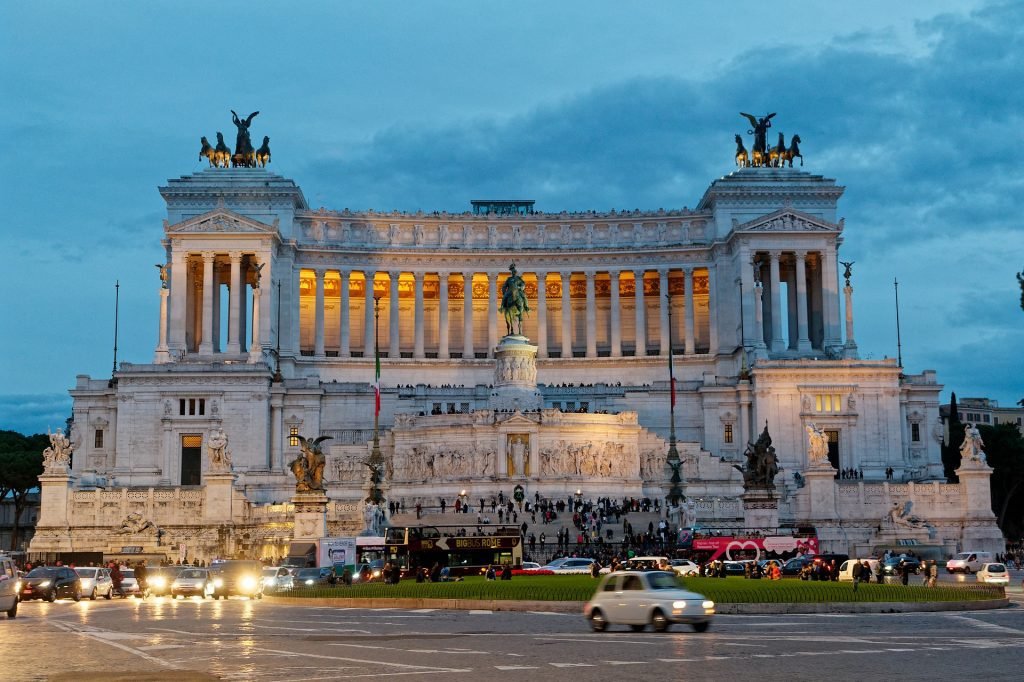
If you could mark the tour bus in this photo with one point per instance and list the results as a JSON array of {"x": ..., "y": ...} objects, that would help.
[
  {"x": 464, "y": 550},
  {"x": 740, "y": 546}
]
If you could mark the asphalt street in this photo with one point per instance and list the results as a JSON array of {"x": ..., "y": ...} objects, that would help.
[{"x": 252, "y": 640}]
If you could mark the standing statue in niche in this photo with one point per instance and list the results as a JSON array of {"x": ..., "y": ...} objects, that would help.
[
  {"x": 308, "y": 466},
  {"x": 971, "y": 448},
  {"x": 513, "y": 301},
  {"x": 517, "y": 455},
  {"x": 817, "y": 445}
]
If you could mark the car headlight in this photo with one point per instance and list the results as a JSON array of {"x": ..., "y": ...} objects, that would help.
[
  {"x": 159, "y": 582},
  {"x": 376, "y": 574},
  {"x": 679, "y": 605},
  {"x": 355, "y": 578},
  {"x": 218, "y": 582},
  {"x": 45, "y": 583},
  {"x": 309, "y": 581},
  {"x": 248, "y": 583},
  {"x": 708, "y": 604}
]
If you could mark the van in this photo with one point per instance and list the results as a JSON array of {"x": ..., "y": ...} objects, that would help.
[
  {"x": 846, "y": 569},
  {"x": 10, "y": 586},
  {"x": 968, "y": 562}
]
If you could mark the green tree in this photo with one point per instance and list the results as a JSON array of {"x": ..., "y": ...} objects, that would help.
[
  {"x": 21, "y": 462},
  {"x": 1004, "y": 451},
  {"x": 1020, "y": 281}
]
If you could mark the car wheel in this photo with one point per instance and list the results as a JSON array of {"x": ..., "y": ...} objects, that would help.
[
  {"x": 967, "y": 570},
  {"x": 638, "y": 627},
  {"x": 701, "y": 627},
  {"x": 659, "y": 622},
  {"x": 13, "y": 611},
  {"x": 259, "y": 595},
  {"x": 52, "y": 596},
  {"x": 597, "y": 621},
  {"x": 110, "y": 594},
  {"x": 77, "y": 596},
  {"x": 93, "y": 595}
]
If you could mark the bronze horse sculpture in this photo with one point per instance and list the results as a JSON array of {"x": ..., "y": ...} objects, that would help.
[
  {"x": 793, "y": 151},
  {"x": 742, "y": 158},
  {"x": 777, "y": 153},
  {"x": 263, "y": 153},
  {"x": 513, "y": 301}
]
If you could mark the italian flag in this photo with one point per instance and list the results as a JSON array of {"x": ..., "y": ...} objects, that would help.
[{"x": 376, "y": 381}]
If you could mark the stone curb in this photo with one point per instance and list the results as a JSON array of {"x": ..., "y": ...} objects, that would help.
[{"x": 577, "y": 606}]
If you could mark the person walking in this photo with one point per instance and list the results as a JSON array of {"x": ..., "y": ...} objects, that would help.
[
  {"x": 141, "y": 573},
  {"x": 117, "y": 579},
  {"x": 855, "y": 572}
]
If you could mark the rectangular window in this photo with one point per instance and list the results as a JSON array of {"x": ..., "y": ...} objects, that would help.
[
  {"x": 191, "y": 459},
  {"x": 833, "y": 448},
  {"x": 915, "y": 432},
  {"x": 986, "y": 419},
  {"x": 728, "y": 433},
  {"x": 181, "y": 406},
  {"x": 293, "y": 436},
  {"x": 97, "y": 440},
  {"x": 202, "y": 406}
]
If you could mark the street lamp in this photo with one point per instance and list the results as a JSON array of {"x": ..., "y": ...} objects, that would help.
[
  {"x": 675, "y": 493},
  {"x": 376, "y": 458}
]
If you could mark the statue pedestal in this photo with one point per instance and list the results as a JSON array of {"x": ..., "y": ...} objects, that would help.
[
  {"x": 760, "y": 509},
  {"x": 218, "y": 505},
  {"x": 52, "y": 532},
  {"x": 310, "y": 516},
  {"x": 980, "y": 532},
  {"x": 515, "y": 376},
  {"x": 821, "y": 491}
]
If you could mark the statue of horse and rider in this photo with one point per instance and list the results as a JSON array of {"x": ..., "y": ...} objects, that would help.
[
  {"x": 761, "y": 155},
  {"x": 245, "y": 155},
  {"x": 513, "y": 302}
]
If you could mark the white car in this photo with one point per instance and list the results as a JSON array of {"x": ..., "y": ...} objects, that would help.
[
  {"x": 96, "y": 582},
  {"x": 994, "y": 574},
  {"x": 530, "y": 566},
  {"x": 968, "y": 562},
  {"x": 684, "y": 567},
  {"x": 192, "y": 581},
  {"x": 639, "y": 598},
  {"x": 10, "y": 587},
  {"x": 277, "y": 579}
]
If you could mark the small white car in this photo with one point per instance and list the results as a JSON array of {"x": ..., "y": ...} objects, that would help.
[
  {"x": 574, "y": 565},
  {"x": 192, "y": 581},
  {"x": 642, "y": 598},
  {"x": 994, "y": 574},
  {"x": 530, "y": 566},
  {"x": 96, "y": 582},
  {"x": 684, "y": 567},
  {"x": 10, "y": 587}
]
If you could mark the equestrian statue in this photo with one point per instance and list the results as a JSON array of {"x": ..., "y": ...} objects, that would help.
[{"x": 513, "y": 302}]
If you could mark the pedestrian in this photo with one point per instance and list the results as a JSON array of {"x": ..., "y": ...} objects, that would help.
[
  {"x": 904, "y": 572},
  {"x": 141, "y": 573},
  {"x": 443, "y": 505},
  {"x": 855, "y": 573},
  {"x": 117, "y": 579}
]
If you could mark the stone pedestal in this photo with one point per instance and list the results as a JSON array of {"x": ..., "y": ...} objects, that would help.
[
  {"x": 979, "y": 523},
  {"x": 821, "y": 491},
  {"x": 760, "y": 508},
  {"x": 52, "y": 532},
  {"x": 515, "y": 376},
  {"x": 310, "y": 516},
  {"x": 217, "y": 507}
]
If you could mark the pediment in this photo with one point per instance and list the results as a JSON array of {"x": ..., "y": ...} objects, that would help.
[
  {"x": 788, "y": 220},
  {"x": 221, "y": 221},
  {"x": 517, "y": 419}
]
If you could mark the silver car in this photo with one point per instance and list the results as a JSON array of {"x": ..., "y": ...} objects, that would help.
[
  {"x": 277, "y": 579},
  {"x": 192, "y": 581},
  {"x": 96, "y": 582},
  {"x": 639, "y": 598}
]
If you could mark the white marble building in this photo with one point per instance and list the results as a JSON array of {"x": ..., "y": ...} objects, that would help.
[{"x": 744, "y": 291}]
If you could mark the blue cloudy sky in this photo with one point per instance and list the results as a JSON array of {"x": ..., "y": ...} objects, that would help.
[{"x": 915, "y": 107}]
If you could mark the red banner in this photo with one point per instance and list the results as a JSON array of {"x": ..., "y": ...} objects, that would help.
[{"x": 773, "y": 546}]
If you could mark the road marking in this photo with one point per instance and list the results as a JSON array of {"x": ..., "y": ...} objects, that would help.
[
  {"x": 517, "y": 667},
  {"x": 158, "y": 647},
  {"x": 480, "y": 613},
  {"x": 572, "y": 665},
  {"x": 423, "y": 610},
  {"x": 983, "y": 625},
  {"x": 124, "y": 647},
  {"x": 625, "y": 662},
  {"x": 417, "y": 668}
]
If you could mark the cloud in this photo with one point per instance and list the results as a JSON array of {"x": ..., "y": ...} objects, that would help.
[{"x": 34, "y": 413}]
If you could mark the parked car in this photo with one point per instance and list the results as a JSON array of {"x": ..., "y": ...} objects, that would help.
[
  {"x": 891, "y": 565},
  {"x": 10, "y": 586},
  {"x": 192, "y": 582},
  {"x": 642, "y": 598},
  {"x": 312, "y": 577},
  {"x": 237, "y": 577},
  {"x": 129, "y": 583},
  {"x": 95, "y": 582},
  {"x": 573, "y": 565},
  {"x": 684, "y": 567},
  {"x": 277, "y": 579},
  {"x": 846, "y": 569},
  {"x": 51, "y": 583},
  {"x": 530, "y": 566},
  {"x": 968, "y": 562},
  {"x": 994, "y": 574},
  {"x": 795, "y": 566},
  {"x": 734, "y": 567}
]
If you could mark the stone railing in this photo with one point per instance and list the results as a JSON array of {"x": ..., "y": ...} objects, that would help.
[{"x": 160, "y": 506}]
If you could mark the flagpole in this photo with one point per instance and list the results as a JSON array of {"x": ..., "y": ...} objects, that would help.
[
  {"x": 675, "y": 492},
  {"x": 376, "y": 459},
  {"x": 117, "y": 310}
]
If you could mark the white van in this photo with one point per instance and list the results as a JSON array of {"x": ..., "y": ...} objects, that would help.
[
  {"x": 846, "y": 570},
  {"x": 10, "y": 587},
  {"x": 968, "y": 562}
]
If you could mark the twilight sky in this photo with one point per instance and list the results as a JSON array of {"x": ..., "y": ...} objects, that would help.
[{"x": 915, "y": 107}]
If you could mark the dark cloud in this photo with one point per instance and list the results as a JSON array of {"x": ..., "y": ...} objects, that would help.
[{"x": 34, "y": 413}]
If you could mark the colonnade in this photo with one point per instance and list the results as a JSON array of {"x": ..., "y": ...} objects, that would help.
[
  {"x": 812, "y": 313},
  {"x": 561, "y": 324}
]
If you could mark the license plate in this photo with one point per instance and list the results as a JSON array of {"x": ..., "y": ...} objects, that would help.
[{"x": 28, "y": 589}]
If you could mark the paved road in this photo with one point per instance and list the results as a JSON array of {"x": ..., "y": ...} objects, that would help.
[{"x": 243, "y": 640}]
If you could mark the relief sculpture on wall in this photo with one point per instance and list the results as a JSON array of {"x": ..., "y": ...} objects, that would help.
[{"x": 587, "y": 460}]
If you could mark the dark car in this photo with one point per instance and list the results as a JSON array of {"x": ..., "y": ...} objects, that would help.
[
  {"x": 237, "y": 577},
  {"x": 159, "y": 579},
  {"x": 51, "y": 583},
  {"x": 313, "y": 577},
  {"x": 795, "y": 566},
  {"x": 891, "y": 565}
]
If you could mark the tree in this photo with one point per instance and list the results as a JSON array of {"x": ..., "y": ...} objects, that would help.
[
  {"x": 21, "y": 462},
  {"x": 954, "y": 437},
  {"x": 1004, "y": 451},
  {"x": 1020, "y": 281}
]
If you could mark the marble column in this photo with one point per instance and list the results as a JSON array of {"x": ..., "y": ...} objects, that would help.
[
  {"x": 776, "y": 296},
  {"x": 276, "y": 405},
  {"x": 851, "y": 343},
  {"x": 689, "y": 312},
  {"x": 616, "y": 314},
  {"x": 442, "y": 316},
  {"x": 394, "y": 330},
  {"x": 663, "y": 303},
  {"x": 591, "y": 315},
  {"x": 206, "y": 345},
  {"x": 255, "y": 349},
  {"x": 233, "y": 299},
  {"x": 179, "y": 302},
  {"x": 368, "y": 320},
  {"x": 752, "y": 332},
  {"x": 712, "y": 310},
  {"x": 161, "y": 338},
  {"x": 803, "y": 342},
  {"x": 318, "y": 343},
  {"x": 542, "y": 315},
  {"x": 641, "y": 315},
  {"x": 417, "y": 351},
  {"x": 467, "y": 315},
  {"x": 492, "y": 313},
  {"x": 830, "y": 298},
  {"x": 345, "y": 343},
  {"x": 566, "y": 315}
]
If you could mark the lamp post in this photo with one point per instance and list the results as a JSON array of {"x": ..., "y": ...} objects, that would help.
[{"x": 675, "y": 493}]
